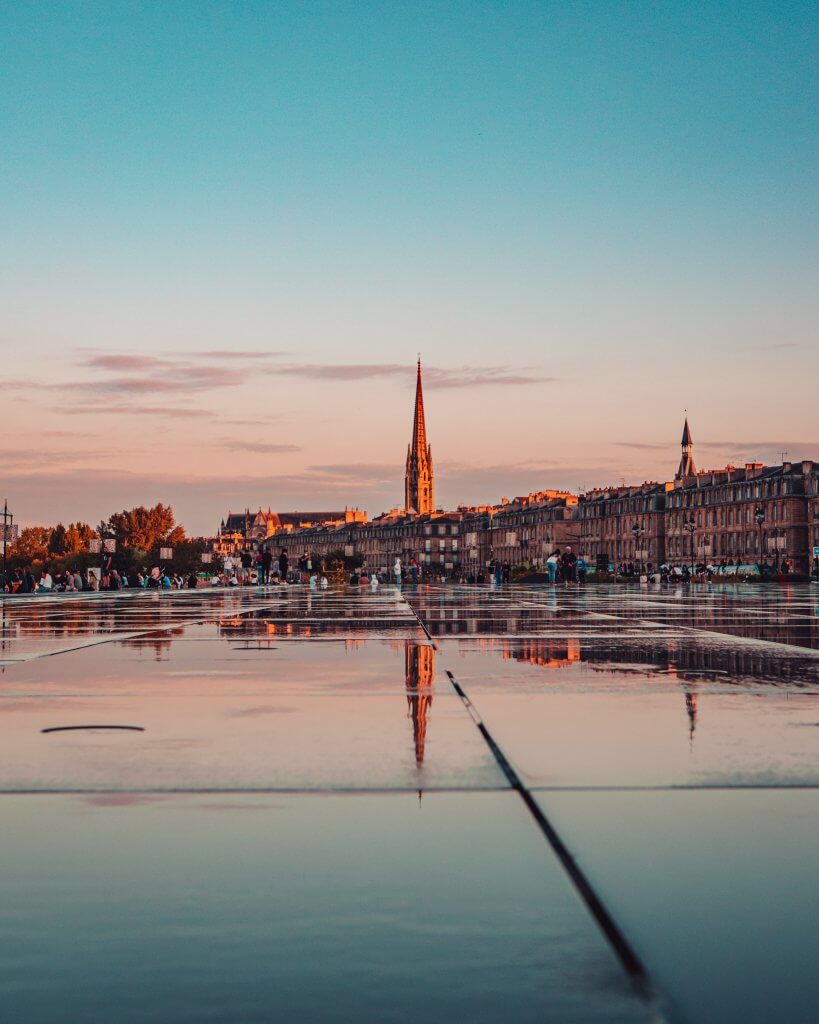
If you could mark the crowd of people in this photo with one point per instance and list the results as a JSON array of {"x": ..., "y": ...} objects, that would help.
[
  {"x": 264, "y": 568},
  {"x": 24, "y": 581}
]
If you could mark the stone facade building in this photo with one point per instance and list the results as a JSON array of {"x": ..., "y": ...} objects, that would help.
[
  {"x": 744, "y": 516},
  {"x": 622, "y": 525},
  {"x": 756, "y": 514}
]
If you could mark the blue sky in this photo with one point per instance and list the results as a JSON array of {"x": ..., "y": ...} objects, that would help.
[{"x": 598, "y": 214}]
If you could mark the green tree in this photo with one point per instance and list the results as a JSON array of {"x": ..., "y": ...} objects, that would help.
[
  {"x": 143, "y": 528},
  {"x": 57, "y": 544}
]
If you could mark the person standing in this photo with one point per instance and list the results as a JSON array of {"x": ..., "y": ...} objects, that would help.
[
  {"x": 283, "y": 563},
  {"x": 551, "y": 567},
  {"x": 396, "y": 571},
  {"x": 569, "y": 563},
  {"x": 581, "y": 569},
  {"x": 267, "y": 562}
]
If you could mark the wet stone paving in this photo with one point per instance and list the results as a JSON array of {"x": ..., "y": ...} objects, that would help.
[{"x": 439, "y": 803}]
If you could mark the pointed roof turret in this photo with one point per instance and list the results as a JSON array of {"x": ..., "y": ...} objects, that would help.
[{"x": 686, "y": 467}]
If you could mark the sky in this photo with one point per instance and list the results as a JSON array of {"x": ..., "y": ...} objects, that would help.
[{"x": 228, "y": 230}]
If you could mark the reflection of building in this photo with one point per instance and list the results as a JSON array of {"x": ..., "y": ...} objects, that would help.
[{"x": 420, "y": 671}]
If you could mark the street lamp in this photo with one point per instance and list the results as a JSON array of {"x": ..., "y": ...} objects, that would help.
[
  {"x": 8, "y": 518},
  {"x": 759, "y": 518},
  {"x": 690, "y": 525},
  {"x": 637, "y": 531}
]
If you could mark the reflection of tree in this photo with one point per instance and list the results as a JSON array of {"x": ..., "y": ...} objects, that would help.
[
  {"x": 420, "y": 670},
  {"x": 159, "y": 644}
]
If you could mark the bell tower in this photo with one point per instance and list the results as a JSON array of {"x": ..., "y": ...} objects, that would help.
[
  {"x": 686, "y": 467},
  {"x": 419, "y": 481}
]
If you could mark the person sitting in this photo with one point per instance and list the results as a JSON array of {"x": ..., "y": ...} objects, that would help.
[{"x": 45, "y": 584}]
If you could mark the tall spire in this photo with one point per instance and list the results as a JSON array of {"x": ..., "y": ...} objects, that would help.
[
  {"x": 686, "y": 467},
  {"x": 419, "y": 481},
  {"x": 419, "y": 427}
]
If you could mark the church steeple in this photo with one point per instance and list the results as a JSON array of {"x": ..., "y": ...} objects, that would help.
[
  {"x": 419, "y": 481},
  {"x": 686, "y": 467}
]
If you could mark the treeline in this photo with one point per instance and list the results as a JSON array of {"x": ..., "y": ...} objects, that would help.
[{"x": 138, "y": 534}]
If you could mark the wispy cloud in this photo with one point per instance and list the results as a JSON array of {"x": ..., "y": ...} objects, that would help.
[
  {"x": 170, "y": 411},
  {"x": 260, "y": 447},
  {"x": 648, "y": 446},
  {"x": 435, "y": 377},
  {"x": 225, "y": 353}
]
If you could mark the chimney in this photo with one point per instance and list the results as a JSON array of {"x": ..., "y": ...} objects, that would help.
[{"x": 807, "y": 467}]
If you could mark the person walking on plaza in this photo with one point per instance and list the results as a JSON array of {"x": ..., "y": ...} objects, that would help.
[
  {"x": 569, "y": 563},
  {"x": 414, "y": 567},
  {"x": 283, "y": 563},
  {"x": 552, "y": 563},
  {"x": 581, "y": 569},
  {"x": 396, "y": 571},
  {"x": 267, "y": 562}
]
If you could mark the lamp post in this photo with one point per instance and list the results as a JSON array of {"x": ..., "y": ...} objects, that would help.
[
  {"x": 690, "y": 525},
  {"x": 759, "y": 518},
  {"x": 637, "y": 532},
  {"x": 8, "y": 519}
]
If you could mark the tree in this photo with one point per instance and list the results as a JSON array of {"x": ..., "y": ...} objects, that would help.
[
  {"x": 187, "y": 554},
  {"x": 57, "y": 544},
  {"x": 143, "y": 528},
  {"x": 77, "y": 537},
  {"x": 31, "y": 545}
]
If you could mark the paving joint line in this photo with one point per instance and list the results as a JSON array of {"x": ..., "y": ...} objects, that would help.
[{"x": 628, "y": 958}]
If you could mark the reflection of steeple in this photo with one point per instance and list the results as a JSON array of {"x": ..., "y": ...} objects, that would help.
[
  {"x": 691, "y": 708},
  {"x": 420, "y": 670}
]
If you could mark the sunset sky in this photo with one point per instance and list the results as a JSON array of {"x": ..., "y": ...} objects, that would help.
[{"x": 227, "y": 230}]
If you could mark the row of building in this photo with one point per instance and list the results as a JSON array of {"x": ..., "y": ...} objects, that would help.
[{"x": 739, "y": 515}]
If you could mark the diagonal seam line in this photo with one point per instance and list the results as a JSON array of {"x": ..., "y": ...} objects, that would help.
[{"x": 631, "y": 963}]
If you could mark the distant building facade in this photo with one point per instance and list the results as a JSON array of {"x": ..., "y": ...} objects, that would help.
[{"x": 744, "y": 516}]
